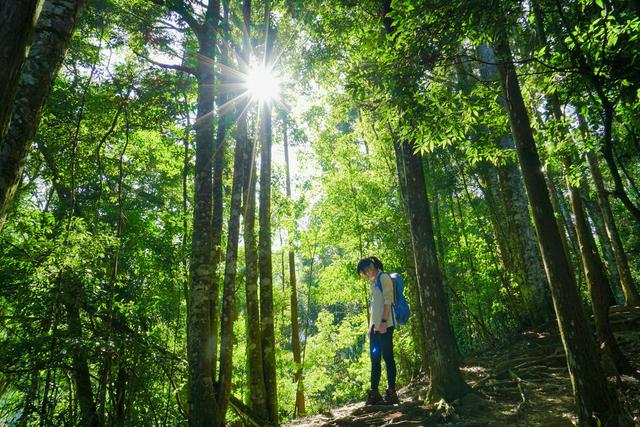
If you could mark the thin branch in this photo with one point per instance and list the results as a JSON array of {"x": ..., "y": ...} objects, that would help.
[{"x": 177, "y": 67}]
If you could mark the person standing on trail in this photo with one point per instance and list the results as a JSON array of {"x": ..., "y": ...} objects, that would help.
[{"x": 381, "y": 326}]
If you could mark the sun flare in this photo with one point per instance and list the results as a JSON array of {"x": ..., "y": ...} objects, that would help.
[{"x": 262, "y": 84}]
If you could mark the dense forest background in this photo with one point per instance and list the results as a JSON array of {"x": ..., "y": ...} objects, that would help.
[{"x": 178, "y": 241}]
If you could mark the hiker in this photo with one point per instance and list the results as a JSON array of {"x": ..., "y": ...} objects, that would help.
[{"x": 381, "y": 326}]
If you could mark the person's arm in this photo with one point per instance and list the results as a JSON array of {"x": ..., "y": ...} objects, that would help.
[
  {"x": 387, "y": 294},
  {"x": 385, "y": 316}
]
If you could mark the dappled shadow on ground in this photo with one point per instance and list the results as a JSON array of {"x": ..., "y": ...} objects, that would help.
[{"x": 523, "y": 384}]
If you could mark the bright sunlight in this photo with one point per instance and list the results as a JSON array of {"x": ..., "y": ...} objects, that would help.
[{"x": 262, "y": 84}]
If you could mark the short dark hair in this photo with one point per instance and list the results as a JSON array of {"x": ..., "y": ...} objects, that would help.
[{"x": 366, "y": 262}]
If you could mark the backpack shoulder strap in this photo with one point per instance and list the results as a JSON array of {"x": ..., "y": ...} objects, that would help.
[{"x": 379, "y": 282}]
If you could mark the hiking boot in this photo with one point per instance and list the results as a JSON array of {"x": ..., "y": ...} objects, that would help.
[
  {"x": 374, "y": 398},
  {"x": 390, "y": 396}
]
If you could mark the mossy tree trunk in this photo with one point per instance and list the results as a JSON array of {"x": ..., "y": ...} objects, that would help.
[
  {"x": 202, "y": 399},
  {"x": 17, "y": 23},
  {"x": 443, "y": 360},
  {"x": 52, "y": 36}
]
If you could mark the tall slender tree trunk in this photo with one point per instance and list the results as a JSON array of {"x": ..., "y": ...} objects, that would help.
[
  {"x": 594, "y": 400},
  {"x": 230, "y": 271},
  {"x": 265, "y": 266},
  {"x": 567, "y": 233},
  {"x": 202, "y": 401},
  {"x": 293, "y": 283},
  {"x": 264, "y": 238},
  {"x": 631, "y": 295},
  {"x": 80, "y": 368},
  {"x": 255, "y": 373},
  {"x": 17, "y": 23},
  {"x": 225, "y": 118},
  {"x": 535, "y": 290},
  {"x": 435, "y": 199},
  {"x": 446, "y": 379},
  {"x": 605, "y": 243},
  {"x": 52, "y": 36},
  {"x": 596, "y": 279},
  {"x": 119, "y": 410},
  {"x": 257, "y": 395},
  {"x": 228, "y": 314},
  {"x": 417, "y": 325},
  {"x": 490, "y": 186}
]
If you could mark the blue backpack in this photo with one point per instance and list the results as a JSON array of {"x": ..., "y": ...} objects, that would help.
[{"x": 400, "y": 308}]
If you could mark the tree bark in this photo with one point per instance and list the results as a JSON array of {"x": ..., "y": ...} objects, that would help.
[
  {"x": 446, "y": 379},
  {"x": 255, "y": 374},
  {"x": 202, "y": 401},
  {"x": 605, "y": 243},
  {"x": 264, "y": 243},
  {"x": 293, "y": 283},
  {"x": 224, "y": 123},
  {"x": 631, "y": 295},
  {"x": 52, "y": 36},
  {"x": 596, "y": 278},
  {"x": 594, "y": 400},
  {"x": 265, "y": 266},
  {"x": 257, "y": 395},
  {"x": 228, "y": 315},
  {"x": 17, "y": 23},
  {"x": 71, "y": 296},
  {"x": 518, "y": 238},
  {"x": 230, "y": 271}
]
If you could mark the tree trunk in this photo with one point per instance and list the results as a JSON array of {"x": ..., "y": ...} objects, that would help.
[
  {"x": 417, "y": 325},
  {"x": 631, "y": 295},
  {"x": 17, "y": 23},
  {"x": 255, "y": 374},
  {"x": 264, "y": 243},
  {"x": 50, "y": 41},
  {"x": 534, "y": 292},
  {"x": 490, "y": 186},
  {"x": 265, "y": 266},
  {"x": 80, "y": 368},
  {"x": 293, "y": 283},
  {"x": 202, "y": 401},
  {"x": 229, "y": 298},
  {"x": 435, "y": 198},
  {"x": 594, "y": 400},
  {"x": 256, "y": 391},
  {"x": 523, "y": 253},
  {"x": 446, "y": 380},
  {"x": 224, "y": 123},
  {"x": 596, "y": 279},
  {"x": 605, "y": 243},
  {"x": 119, "y": 410}
]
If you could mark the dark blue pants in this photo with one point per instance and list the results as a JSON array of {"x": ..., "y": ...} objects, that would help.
[{"x": 381, "y": 347}]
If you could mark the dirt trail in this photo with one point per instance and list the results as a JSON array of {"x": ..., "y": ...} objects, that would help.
[{"x": 524, "y": 384}]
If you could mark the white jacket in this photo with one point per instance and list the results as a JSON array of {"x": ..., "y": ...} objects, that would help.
[{"x": 378, "y": 299}]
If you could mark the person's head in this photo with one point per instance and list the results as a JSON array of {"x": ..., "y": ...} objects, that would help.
[{"x": 369, "y": 267}]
